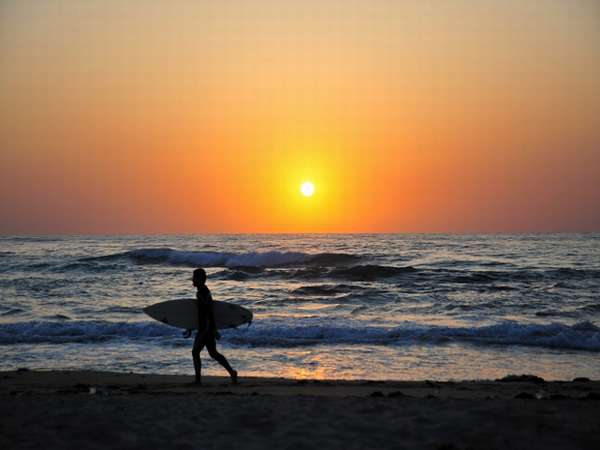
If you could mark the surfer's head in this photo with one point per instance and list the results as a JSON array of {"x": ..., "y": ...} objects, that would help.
[{"x": 199, "y": 277}]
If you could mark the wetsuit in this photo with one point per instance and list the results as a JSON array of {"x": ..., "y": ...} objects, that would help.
[
  {"x": 206, "y": 334},
  {"x": 206, "y": 317}
]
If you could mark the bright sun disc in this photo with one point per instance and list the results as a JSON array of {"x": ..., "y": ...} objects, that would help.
[{"x": 307, "y": 189}]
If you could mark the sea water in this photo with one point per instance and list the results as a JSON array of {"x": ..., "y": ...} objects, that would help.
[{"x": 392, "y": 306}]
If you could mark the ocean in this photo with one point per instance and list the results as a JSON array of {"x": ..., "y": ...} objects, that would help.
[{"x": 364, "y": 306}]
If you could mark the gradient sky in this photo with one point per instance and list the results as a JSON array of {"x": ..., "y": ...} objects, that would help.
[{"x": 409, "y": 116}]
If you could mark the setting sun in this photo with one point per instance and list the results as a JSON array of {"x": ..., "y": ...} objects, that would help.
[
  {"x": 307, "y": 189},
  {"x": 299, "y": 117}
]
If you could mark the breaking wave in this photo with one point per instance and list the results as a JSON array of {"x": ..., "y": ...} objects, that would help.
[
  {"x": 81, "y": 331},
  {"x": 581, "y": 336},
  {"x": 326, "y": 290},
  {"x": 277, "y": 333},
  {"x": 350, "y": 273},
  {"x": 307, "y": 266},
  {"x": 170, "y": 256}
]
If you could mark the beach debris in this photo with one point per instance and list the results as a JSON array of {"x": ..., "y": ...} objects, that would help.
[
  {"x": 521, "y": 378},
  {"x": 323, "y": 382},
  {"x": 397, "y": 394},
  {"x": 81, "y": 388}
]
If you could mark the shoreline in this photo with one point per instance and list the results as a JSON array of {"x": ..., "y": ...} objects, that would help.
[
  {"x": 31, "y": 382},
  {"x": 91, "y": 409}
]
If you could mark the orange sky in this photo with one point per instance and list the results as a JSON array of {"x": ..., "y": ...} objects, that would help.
[{"x": 409, "y": 116}]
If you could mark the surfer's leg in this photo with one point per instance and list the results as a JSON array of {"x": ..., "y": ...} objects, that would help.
[
  {"x": 211, "y": 346},
  {"x": 198, "y": 346}
]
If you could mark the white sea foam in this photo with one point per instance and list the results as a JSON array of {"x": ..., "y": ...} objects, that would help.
[
  {"x": 277, "y": 333},
  {"x": 221, "y": 259}
]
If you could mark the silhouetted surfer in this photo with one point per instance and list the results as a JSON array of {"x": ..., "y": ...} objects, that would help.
[{"x": 207, "y": 333}]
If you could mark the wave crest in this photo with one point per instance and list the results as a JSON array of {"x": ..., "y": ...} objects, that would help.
[
  {"x": 293, "y": 333},
  {"x": 170, "y": 256},
  {"x": 81, "y": 331},
  {"x": 581, "y": 336}
]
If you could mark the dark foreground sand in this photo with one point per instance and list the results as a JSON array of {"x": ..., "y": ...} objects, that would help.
[{"x": 85, "y": 410}]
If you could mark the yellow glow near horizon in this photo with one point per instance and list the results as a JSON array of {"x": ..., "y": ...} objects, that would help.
[{"x": 307, "y": 189}]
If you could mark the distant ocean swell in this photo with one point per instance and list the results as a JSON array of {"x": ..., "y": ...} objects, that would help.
[
  {"x": 584, "y": 336},
  {"x": 226, "y": 259},
  {"x": 306, "y": 266},
  {"x": 367, "y": 272}
]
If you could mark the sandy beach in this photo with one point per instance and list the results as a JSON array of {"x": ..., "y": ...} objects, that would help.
[{"x": 83, "y": 409}]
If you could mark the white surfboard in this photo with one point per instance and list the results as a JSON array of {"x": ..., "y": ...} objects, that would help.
[{"x": 183, "y": 313}]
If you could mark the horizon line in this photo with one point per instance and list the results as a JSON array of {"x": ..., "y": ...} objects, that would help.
[{"x": 288, "y": 233}]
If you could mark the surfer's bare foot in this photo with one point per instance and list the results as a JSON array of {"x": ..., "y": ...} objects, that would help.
[
  {"x": 198, "y": 382},
  {"x": 234, "y": 377}
]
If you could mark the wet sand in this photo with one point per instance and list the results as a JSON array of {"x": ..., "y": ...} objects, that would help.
[{"x": 85, "y": 410}]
